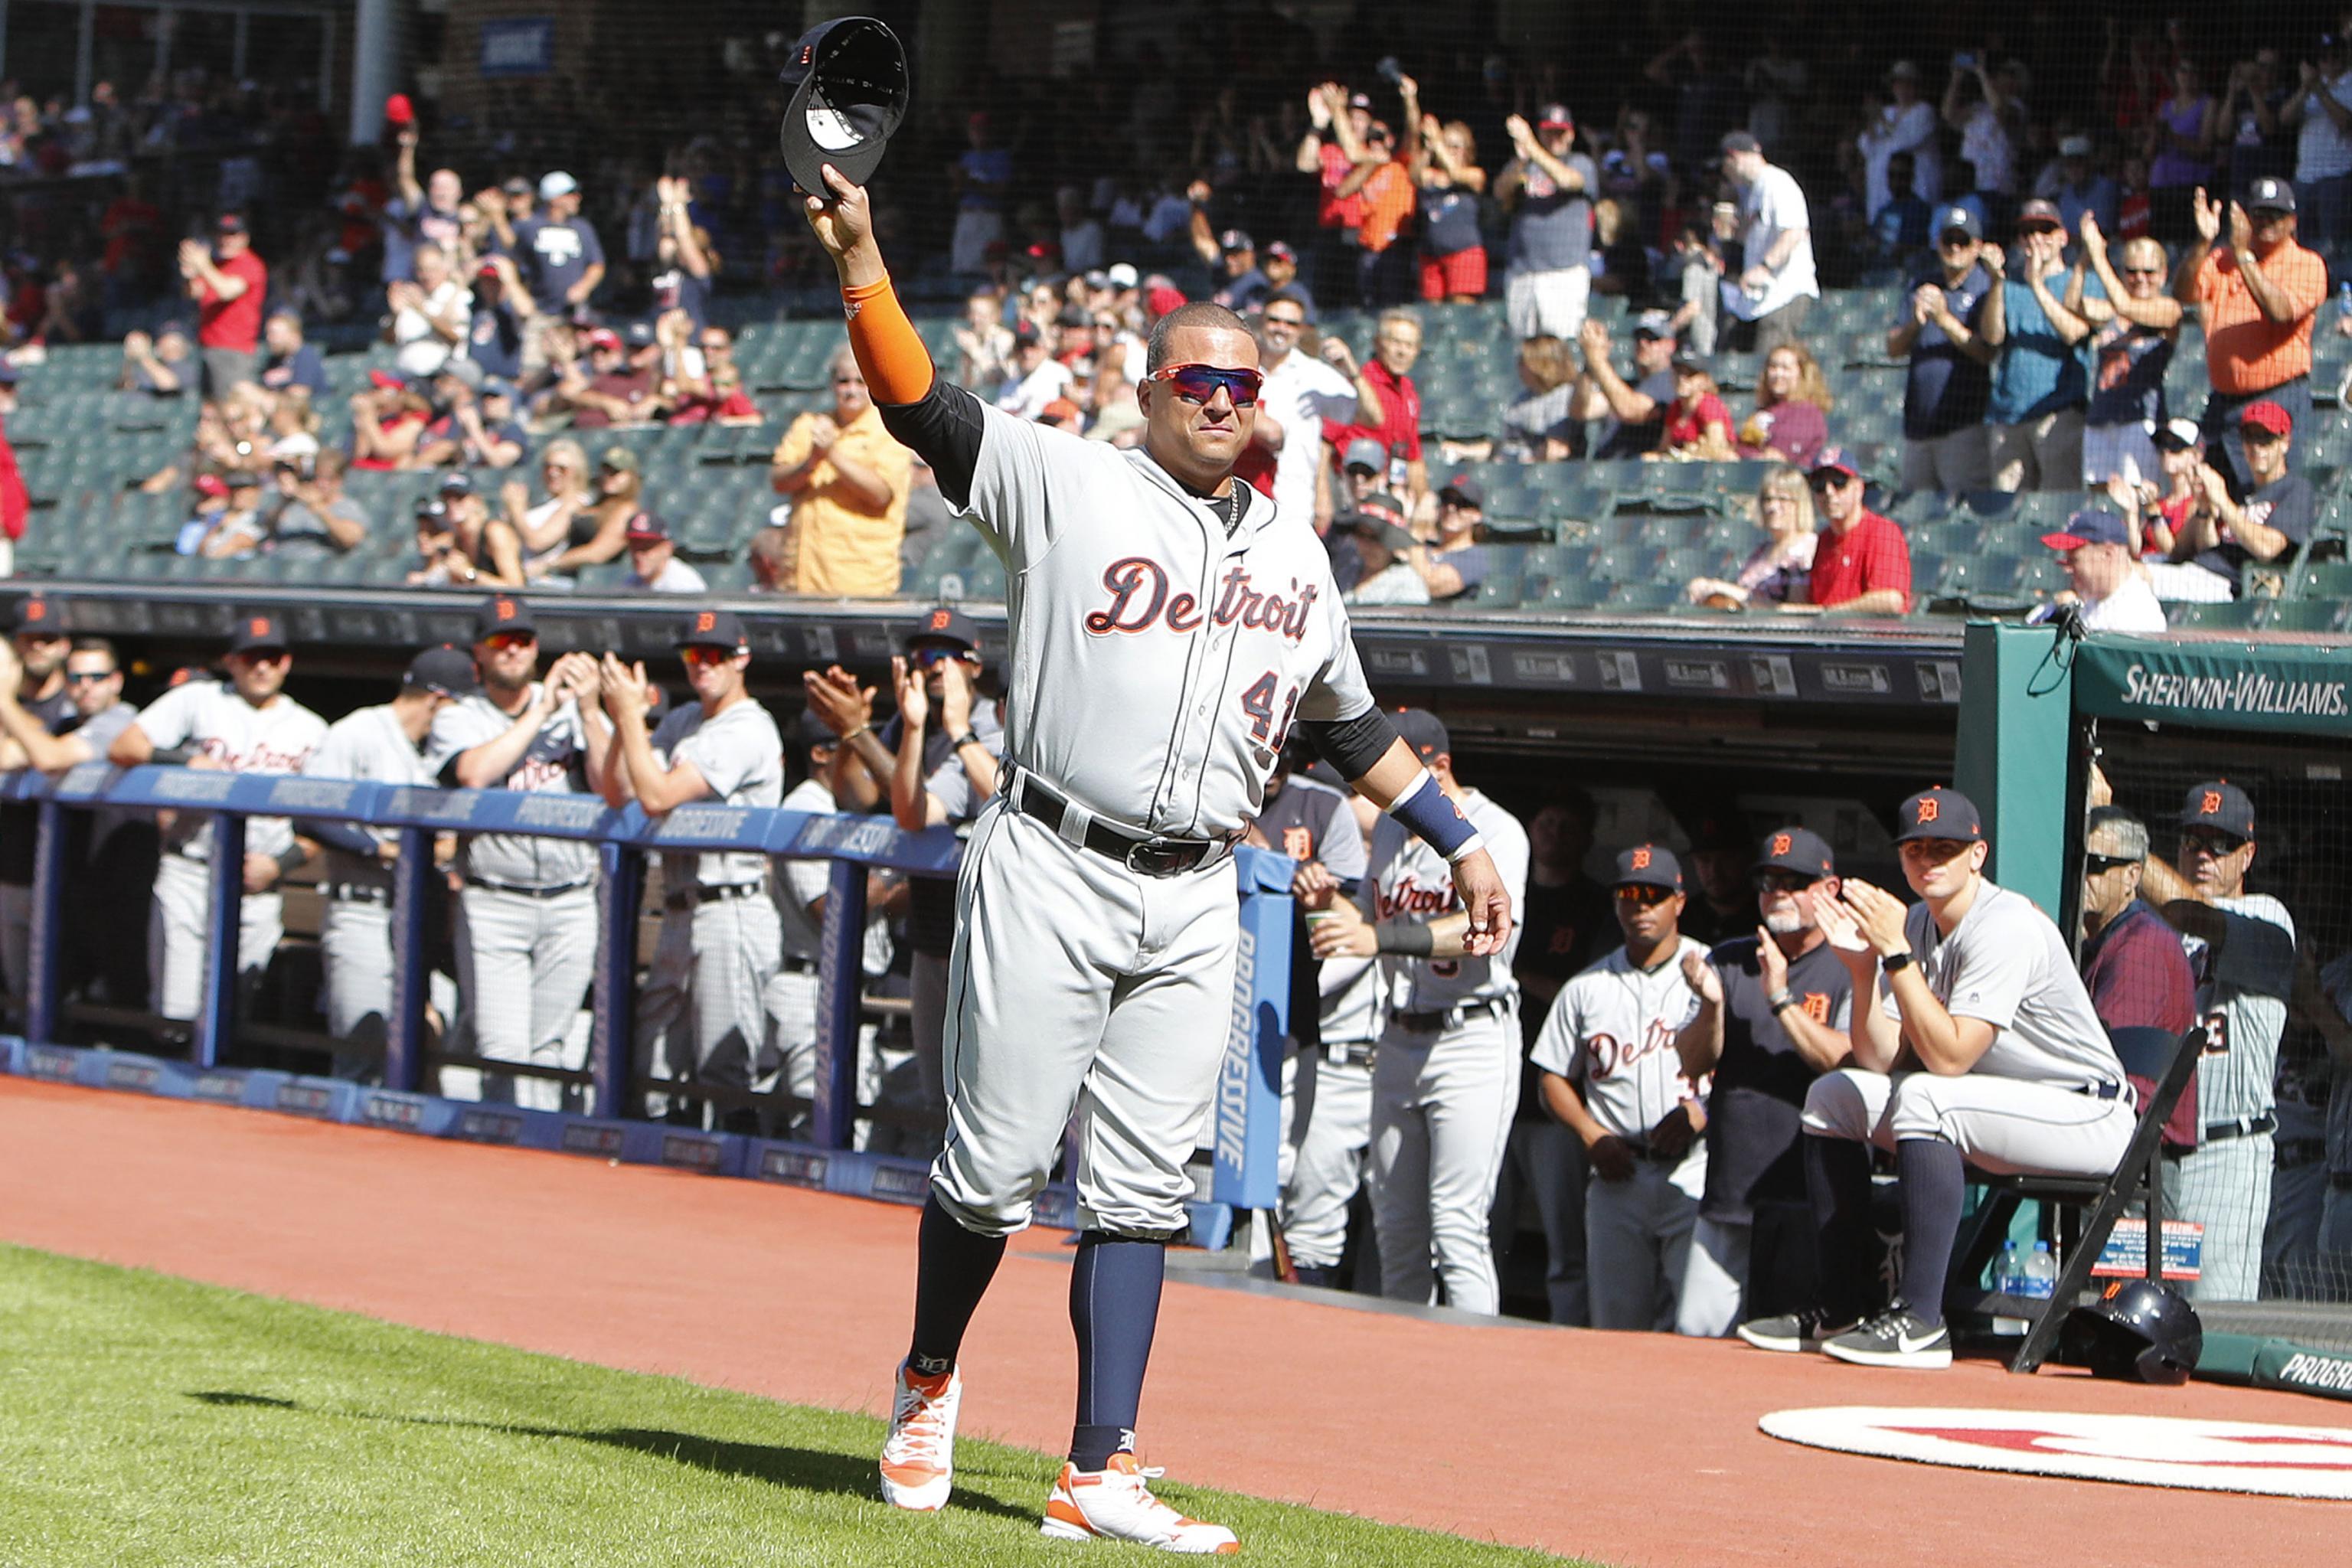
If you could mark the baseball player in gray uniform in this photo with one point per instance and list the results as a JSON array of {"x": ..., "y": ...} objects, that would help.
[
  {"x": 1335, "y": 1018},
  {"x": 37, "y": 642},
  {"x": 246, "y": 724},
  {"x": 938, "y": 762},
  {"x": 1974, "y": 1041},
  {"x": 1446, "y": 1078},
  {"x": 2244, "y": 946},
  {"x": 700, "y": 1017},
  {"x": 802, "y": 888},
  {"x": 525, "y": 922},
  {"x": 115, "y": 865},
  {"x": 1168, "y": 627},
  {"x": 383, "y": 744},
  {"x": 1612, "y": 1073}
]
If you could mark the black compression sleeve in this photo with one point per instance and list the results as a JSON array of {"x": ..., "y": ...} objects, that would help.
[
  {"x": 1352, "y": 746},
  {"x": 942, "y": 427}
]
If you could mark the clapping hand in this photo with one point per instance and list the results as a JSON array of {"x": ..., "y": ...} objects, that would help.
[
  {"x": 1702, "y": 979},
  {"x": 914, "y": 701},
  {"x": 1771, "y": 964},
  {"x": 2241, "y": 228},
  {"x": 955, "y": 697},
  {"x": 1522, "y": 134},
  {"x": 625, "y": 688},
  {"x": 836, "y": 698},
  {"x": 2207, "y": 211},
  {"x": 1927, "y": 303},
  {"x": 2094, "y": 239},
  {"x": 1877, "y": 916},
  {"x": 1838, "y": 925}
]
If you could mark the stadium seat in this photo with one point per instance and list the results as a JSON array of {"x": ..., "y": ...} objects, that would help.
[{"x": 2231, "y": 615}]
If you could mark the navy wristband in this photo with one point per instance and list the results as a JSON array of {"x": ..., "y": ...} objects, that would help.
[{"x": 1434, "y": 819}]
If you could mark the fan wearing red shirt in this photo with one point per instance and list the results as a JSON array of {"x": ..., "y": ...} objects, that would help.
[
  {"x": 229, "y": 284},
  {"x": 1862, "y": 563},
  {"x": 1386, "y": 383}
]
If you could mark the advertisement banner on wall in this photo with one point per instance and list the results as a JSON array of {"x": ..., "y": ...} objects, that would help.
[{"x": 2280, "y": 687}]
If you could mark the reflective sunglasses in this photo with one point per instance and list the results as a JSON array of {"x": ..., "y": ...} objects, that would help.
[
  {"x": 1199, "y": 382},
  {"x": 2214, "y": 841},
  {"x": 501, "y": 641},
  {"x": 2098, "y": 865},
  {"x": 1782, "y": 881},
  {"x": 932, "y": 658},
  {"x": 696, "y": 654},
  {"x": 1644, "y": 894},
  {"x": 87, "y": 677}
]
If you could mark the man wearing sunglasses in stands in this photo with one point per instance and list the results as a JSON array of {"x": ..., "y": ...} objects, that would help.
[{"x": 1168, "y": 627}]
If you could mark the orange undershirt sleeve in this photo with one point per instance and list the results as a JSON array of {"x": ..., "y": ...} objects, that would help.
[{"x": 898, "y": 366}]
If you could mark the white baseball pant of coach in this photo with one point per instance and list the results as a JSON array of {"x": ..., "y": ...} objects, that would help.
[
  {"x": 524, "y": 964},
  {"x": 1715, "y": 1279},
  {"x": 1442, "y": 1106},
  {"x": 1038, "y": 919},
  {"x": 701, "y": 1016},
  {"x": 1637, "y": 1241},
  {"x": 2225, "y": 1187},
  {"x": 175, "y": 934}
]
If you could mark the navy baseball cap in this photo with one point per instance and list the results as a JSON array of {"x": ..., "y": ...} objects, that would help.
[
  {"x": 1797, "y": 849},
  {"x": 2270, "y": 194},
  {"x": 1381, "y": 504},
  {"x": 1835, "y": 461},
  {"x": 1653, "y": 324},
  {"x": 808, "y": 730},
  {"x": 714, "y": 628},
  {"x": 457, "y": 482},
  {"x": 256, "y": 632},
  {"x": 1424, "y": 732},
  {"x": 1964, "y": 219},
  {"x": 1649, "y": 866},
  {"x": 1940, "y": 813},
  {"x": 944, "y": 623},
  {"x": 1236, "y": 239},
  {"x": 647, "y": 528},
  {"x": 1462, "y": 488},
  {"x": 37, "y": 614},
  {"x": 849, "y": 93},
  {"x": 2219, "y": 803},
  {"x": 2089, "y": 526},
  {"x": 503, "y": 613},
  {"x": 444, "y": 670}
]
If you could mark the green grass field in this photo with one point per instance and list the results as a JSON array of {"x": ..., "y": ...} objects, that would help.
[{"x": 150, "y": 1421}]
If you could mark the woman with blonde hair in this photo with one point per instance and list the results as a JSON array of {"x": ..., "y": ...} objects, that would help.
[
  {"x": 583, "y": 512},
  {"x": 1791, "y": 420},
  {"x": 1539, "y": 428},
  {"x": 1778, "y": 571}
]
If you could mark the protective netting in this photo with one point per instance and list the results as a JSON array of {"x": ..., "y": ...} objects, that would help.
[{"x": 2272, "y": 1177}]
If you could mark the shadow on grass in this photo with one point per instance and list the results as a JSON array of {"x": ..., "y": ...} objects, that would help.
[{"x": 802, "y": 1469}]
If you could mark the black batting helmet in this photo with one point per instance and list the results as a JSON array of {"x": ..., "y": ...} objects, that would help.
[{"x": 2140, "y": 1328}]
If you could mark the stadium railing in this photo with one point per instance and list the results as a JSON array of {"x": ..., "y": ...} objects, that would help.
[{"x": 1244, "y": 1132}]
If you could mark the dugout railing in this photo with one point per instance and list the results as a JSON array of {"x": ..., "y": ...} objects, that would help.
[{"x": 1243, "y": 1131}]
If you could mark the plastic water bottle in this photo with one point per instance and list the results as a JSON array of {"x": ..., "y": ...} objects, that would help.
[
  {"x": 2041, "y": 1273},
  {"x": 2008, "y": 1276}
]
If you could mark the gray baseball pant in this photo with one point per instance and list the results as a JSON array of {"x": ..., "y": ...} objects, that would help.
[
  {"x": 1637, "y": 1237},
  {"x": 1715, "y": 1279},
  {"x": 1442, "y": 1106},
  {"x": 355, "y": 944},
  {"x": 1335, "y": 1100},
  {"x": 175, "y": 934},
  {"x": 2226, "y": 1188},
  {"x": 700, "y": 1017},
  {"x": 524, "y": 964},
  {"x": 1079, "y": 984}
]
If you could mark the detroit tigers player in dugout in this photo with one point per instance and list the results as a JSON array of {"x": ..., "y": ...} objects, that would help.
[
  {"x": 1168, "y": 626},
  {"x": 525, "y": 925},
  {"x": 246, "y": 724}
]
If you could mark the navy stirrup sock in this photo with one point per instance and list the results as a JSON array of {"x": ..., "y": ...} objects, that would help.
[
  {"x": 1114, "y": 1307},
  {"x": 952, "y": 1268}
]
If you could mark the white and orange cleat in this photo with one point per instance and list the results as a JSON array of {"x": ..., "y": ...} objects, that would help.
[
  {"x": 918, "y": 1456},
  {"x": 1114, "y": 1504}
]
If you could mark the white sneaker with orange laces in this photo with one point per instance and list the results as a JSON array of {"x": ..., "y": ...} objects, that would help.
[
  {"x": 1113, "y": 1504},
  {"x": 918, "y": 1456}
]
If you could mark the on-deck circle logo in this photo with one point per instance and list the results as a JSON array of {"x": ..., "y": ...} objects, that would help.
[{"x": 2146, "y": 1450}]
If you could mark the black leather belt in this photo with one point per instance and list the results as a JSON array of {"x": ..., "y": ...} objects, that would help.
[
  {"x": 355, "y": 893},
  {"x": 1350, "y": 1053},
  {"x": 2243, "y": 1127},
  {"x": 1148, "y": 854},
  {"x": 1427, "y": 1023},
  {"x": 489, "y": 887},
  {"x": 686, "y": 897}
]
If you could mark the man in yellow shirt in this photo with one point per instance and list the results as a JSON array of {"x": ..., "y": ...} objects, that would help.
[{"x": 848, "y": 481}]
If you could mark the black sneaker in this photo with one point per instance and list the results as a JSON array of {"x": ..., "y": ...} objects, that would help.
[
  {"x": 1794, "y": 1331},
  {"x": 1896, "y": 1337}
]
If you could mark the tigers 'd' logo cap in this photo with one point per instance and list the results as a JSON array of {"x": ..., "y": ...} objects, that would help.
[
  {"x": 849, "y": 87},
  {"x": 1938, "y": 813}
]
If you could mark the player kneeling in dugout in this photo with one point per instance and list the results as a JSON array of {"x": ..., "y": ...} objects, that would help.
[{"x": 1974, "y": 1042}]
